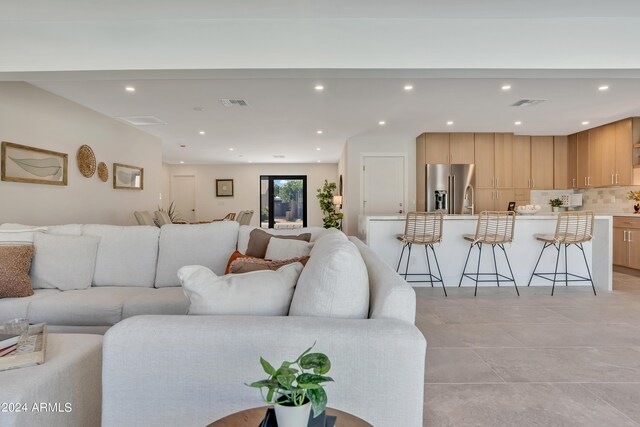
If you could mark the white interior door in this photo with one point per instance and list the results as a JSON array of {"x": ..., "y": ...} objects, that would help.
[
  {"x": 183, "y": 192},
  {"x": 383, "y": 185}
]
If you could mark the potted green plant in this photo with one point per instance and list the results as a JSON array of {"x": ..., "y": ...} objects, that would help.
[
  {"x": 635, "y": 196},
  {"x": 555, "y": 204},
  {"x": 295, "y": 387},
  {"x": 332, "y": 219}
]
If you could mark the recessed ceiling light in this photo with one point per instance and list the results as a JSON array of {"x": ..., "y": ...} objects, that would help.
[
  {"x": 130, "y": 89},
  {"x": 319, "y": 88},
  {"x": 518, "y": 123},
  {"x": 408, "y": 87},
  {"x": 603, "y": 88},
  {"x": 586, "y": 122},
  {"x": 230, "y": 149},
  {"x": 317, "y": 148},
  {"x": 382, "y": 123},
  {"x": 319, "y": 132},
  {"x": 449, "y": 123},
  {"x": 506, "y": 87},
  {"x": 182, "y": 162},
  {"x": 202, "y": 132}
]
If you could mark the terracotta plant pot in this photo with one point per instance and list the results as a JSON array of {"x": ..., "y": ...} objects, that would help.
[{"x": 293, "y": 416}]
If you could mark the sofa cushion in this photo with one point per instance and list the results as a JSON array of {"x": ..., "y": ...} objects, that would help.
[
  {"x": 245, "y": 232},
  {"x": 63, "y": 262},
  {"x": 260, "y": 293},
  {"x": 127, "y": 256},
  {"x": 334, "y": 282},
  {"x": 280, "y": 249},
  {"x": 157, "y": 301},
  {"x": 86, "y": 307},
  {"x": 209, "y": 245},
  {"x": 10, "y": 308},
  {"x": 259, "y": 241},
  {"x": 15, "y": 261},
  {"x": 249, "y": 264}
]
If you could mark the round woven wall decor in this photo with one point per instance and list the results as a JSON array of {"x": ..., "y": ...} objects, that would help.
[
  {"x": 86, "y": 161},
  {"x": 103, "y": 172}
]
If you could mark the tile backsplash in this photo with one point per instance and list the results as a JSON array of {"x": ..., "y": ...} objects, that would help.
[{"x": 600, "y": 200}]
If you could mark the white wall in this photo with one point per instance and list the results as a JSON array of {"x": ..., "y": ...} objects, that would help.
[
  {"x": 34, "y": 117},
  {"x": 246, "y": 184},
  {"x": 356, "y": 149}
]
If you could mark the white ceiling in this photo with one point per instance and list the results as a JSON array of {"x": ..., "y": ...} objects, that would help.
[
  {"x": 100, "y": 10},
  {"x": 284, "y": 113}
]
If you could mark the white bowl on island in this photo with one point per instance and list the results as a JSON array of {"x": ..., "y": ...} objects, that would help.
[{"x": 528, "y": 209}]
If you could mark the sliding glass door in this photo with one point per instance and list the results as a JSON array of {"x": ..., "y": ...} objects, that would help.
[{"x": 283, "y": 201}]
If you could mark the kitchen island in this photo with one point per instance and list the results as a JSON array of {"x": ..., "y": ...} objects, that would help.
[{"x": 379, "y": 233}]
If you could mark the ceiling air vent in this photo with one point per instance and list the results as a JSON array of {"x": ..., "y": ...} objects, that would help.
[
  {"x": 528, "y": 102},
  {"x": 142, "y": 120},
  {"x": 234, "y": 102},
  {"x": 278, "y": 156}
]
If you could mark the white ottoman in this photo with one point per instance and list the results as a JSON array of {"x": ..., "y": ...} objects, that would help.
[{"x": 64, "y": 391}]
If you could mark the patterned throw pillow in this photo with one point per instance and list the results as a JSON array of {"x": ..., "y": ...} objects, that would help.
[
  {"x": 15, "y": 262},
  {"x": 248, "y": 264}
]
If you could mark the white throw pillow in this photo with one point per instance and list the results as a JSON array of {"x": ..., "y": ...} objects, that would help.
[
  {"x": 63, "y": 262},
  {"x": 259, "y": 293},
  {"x": 279, "y": 249},
  {"x": 334, "y": 283}
]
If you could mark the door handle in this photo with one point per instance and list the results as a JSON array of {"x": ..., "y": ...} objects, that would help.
[
  {"x": 612, "y": 179},
  {"x": 533, "y": 183},
  {"x": 497, "y": 185},
  {"x": 616, "y": 178},
  {"x": 574, "y": 183},
  {"x": 529, "y": 183},
  {"x": 629, "y": 236},
  {"x": 589, "y": 181}
]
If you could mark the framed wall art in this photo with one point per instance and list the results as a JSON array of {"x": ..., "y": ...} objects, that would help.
[
  {"x": 21, "y": 163},
  {"x": 224, "y": 188},
  {"x": 127, "y": 177}
]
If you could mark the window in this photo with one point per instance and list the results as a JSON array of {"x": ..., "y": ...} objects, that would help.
[{"x": 283, "y": 201}]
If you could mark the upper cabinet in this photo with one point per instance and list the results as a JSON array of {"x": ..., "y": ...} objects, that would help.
[
  {"x": 541, "y": 162},
  {"x": 461, "y": 148},
  {"x": 572, "y": 161},
  {"x": 503, "y": 160},
  {"x": 560, "y": 164},
  {"x": 436, "y": 148},
  {"x": 605, "y": 155},
  {"x": 521, "y": 161},
  {"x": 485, "y": 160}
]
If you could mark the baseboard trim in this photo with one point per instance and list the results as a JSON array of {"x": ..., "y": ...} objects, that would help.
[{"x": 626, "y": 270}]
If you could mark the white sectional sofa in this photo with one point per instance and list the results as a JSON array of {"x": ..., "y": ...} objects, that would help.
[{"x": 164, "y": 368}]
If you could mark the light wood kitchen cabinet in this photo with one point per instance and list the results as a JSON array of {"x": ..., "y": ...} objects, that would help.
[
  {"x": 461, "y": 148},
  {"x": 572, "y": 161},
  {"x": 607, "y": 153},
  {"x": 521, "y": 161},
  {"x": 624, "y": 152},
  {"x": 583, "y": 159},
  {"x": 541, "y": 162},
  {"x": 560, "y": 162},
  {"x": 503, "y": 150},
  {"x": 595, "y": 157},
  {"x": 484, "y": 199},
  {"x": 436, "y": 148},
  {"x": 626, "y": 242},
  {"x": 485, "y": 160},
  {"x": 503, "y": 197}
]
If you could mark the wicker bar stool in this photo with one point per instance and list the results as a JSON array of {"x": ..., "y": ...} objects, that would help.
[
  {"x": 424, "y": 229},
  {"x": 495, "y": 229},
  {"x": 572, "y": 228}
]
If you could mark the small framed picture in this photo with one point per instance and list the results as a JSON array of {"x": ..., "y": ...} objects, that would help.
[
  {"x": 127, "y": 177},
  {"x": 224, "y": 188},
  {"x": 21, "y": 163},
  {"x": 512, "y": 206}
]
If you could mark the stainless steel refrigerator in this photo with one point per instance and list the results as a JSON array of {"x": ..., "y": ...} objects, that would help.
[{"x": 450, "y": 188}]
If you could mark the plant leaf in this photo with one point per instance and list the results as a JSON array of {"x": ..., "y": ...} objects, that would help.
[
  {"x": 319, "y": 362},
  {"x": 270, "y": 395},
  {"x": 264, "y": 383},
  {"x": 305, "y": 352},
  {"x": 267, "y": 367},
  {"x": 286, "y": 381},
  {"x": 312, "y": 379},
  {"x": 318, "y": 399}
]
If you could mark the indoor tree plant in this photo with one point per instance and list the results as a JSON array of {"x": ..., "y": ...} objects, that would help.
[
  {"x": 332, "y": 219},
  {"x": 296, "y": 387},
  {"x": 555, "y": 204}
]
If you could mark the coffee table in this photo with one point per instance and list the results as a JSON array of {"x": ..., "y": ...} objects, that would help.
[{"x": 252, "y": 417}]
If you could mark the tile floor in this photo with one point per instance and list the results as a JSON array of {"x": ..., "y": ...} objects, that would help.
[{"x": 535, "y": 360}]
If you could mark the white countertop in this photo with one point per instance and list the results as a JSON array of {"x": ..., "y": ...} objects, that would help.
[{"x": 535, "y": 217}]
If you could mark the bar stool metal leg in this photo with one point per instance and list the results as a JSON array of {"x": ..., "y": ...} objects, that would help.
[
  {"x": 401, "y": 255},
  {"x": 495, "y": 264},
  {"x": 465, "y": 265},
  {"x": 438, "y": 267},
  {"x": 406, "y": 270},
  {"x": 588, "y": 270},
  {"x": 513, "y": 278},
  {"x": 546, "y": 245},
  {"x": 426, "y": 253},
  {"x": 475, "y": 292},
  {"x": 555, "y": 273}
]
